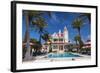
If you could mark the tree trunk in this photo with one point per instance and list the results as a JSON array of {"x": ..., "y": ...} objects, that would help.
[
  {"x": 40, "y": 38},
  {"x": 28, "y": 56},
  {"x": 40, "y": 35},
  {"x": 79, "y": 40},
  {"x": 79, "y": 32},
  {"x": 76, "y": 45}
]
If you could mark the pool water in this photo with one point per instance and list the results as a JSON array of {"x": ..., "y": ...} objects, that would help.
[{"x": 62, "y": 55}]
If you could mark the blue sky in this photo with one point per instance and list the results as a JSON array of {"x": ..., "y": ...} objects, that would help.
[{"x": 58, "y": 21}]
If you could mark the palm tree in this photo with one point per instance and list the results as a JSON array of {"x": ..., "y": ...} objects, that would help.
[
  {"x": 77, "y": 39},
  {"x": 77, "y": 24},
  {"x": 40, "y": 24},
  {"x": 28, "y": 17},
  {"x": 27, "y": 55}
]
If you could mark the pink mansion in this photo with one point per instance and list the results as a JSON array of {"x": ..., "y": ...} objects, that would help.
[{"x": 59, "y": 41}]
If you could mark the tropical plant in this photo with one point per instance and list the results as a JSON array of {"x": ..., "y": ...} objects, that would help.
[
  {"x": 77, "y": 24},
  {"x": 46, "y": 37},
  {"x": 40, "y": 24},
  {"x": 28, "y": 17}
]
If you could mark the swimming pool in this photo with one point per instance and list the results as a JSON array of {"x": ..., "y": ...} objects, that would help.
[{"x": 62, "y": 55}]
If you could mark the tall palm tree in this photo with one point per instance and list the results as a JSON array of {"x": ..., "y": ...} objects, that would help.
[
  {"x": 77, "y": 24},
  {"x": 28, "y": 17},
  {"x": 40, "y": 24}
]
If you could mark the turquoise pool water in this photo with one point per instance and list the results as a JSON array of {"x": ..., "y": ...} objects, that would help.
[{"x": 62, "y": 55}]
